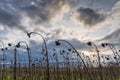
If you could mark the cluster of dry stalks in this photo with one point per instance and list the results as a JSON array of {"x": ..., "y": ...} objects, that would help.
[{"x": 62, "y": 64}]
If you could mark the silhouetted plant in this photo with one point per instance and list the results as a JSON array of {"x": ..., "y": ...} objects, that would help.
[
  {"x": 15, "y": 61},
  {"x": 113, "y": 49},
  {"x": 3, "y": 60},
  {"x": 29, "y": 55},
  {"x": 99, "y": 61},
  {"x": 96, "y": 48},
  {"x": 46, "y": 53},
  {"x": 63, "y": 64},
  {"x": 58, "y": 43}
]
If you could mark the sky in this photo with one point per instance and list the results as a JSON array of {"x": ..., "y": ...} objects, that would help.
[{"x": 72, "y": 20}]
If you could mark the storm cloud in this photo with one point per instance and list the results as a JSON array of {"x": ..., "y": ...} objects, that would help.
[
  {"x": 89, "y": 17},
  {"x": 45, "y": 10},
  {"x": 8, "y": 18},
  {"x": 42, "y": 11}
]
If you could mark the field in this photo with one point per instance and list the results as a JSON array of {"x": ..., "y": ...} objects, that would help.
[{"x": 73, "y": 65}]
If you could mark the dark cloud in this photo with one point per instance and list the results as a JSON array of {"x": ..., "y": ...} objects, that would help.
[
  {"x": 7, "y": 18},
  {"x": 44, "y": 10},
  {"x": 41, "y": 11},
  {"x": 10, "y": 17},
  {"x": 89, "y": 16},
  {"x": 38, "y": 13}
]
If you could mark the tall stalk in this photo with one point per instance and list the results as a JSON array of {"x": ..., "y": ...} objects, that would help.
[
  {"x": 29, "y": 56},
  {"x": 87, "y": 70},
  {"x": 46, "y": 52},
  {"x": 99, "y": 61},
  {"x": 15, "y": 61},
  {"x": 3, "y": 60}
]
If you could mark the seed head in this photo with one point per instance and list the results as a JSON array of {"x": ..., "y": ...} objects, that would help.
[
  {"x": 9, "y": 44},
  {"x": 28, "y": 34},
  {"x": 89, "y": 43},
  {"x": 57, "y": 43}
]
